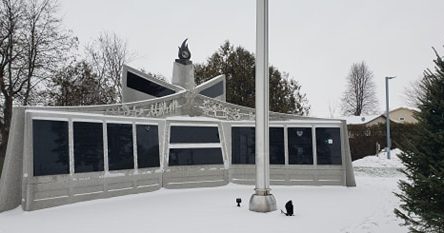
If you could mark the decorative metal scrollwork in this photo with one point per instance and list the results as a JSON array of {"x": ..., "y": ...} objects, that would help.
[
  {"x": 218, "y": 110},
  {"x": 157, "y": 109}
]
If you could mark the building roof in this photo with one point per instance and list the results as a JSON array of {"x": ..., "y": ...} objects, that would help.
[
  {"x": 359, "y": 120},
  {"x": 405, "y": 107}
]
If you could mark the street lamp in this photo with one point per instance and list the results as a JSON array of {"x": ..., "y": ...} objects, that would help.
[{"x": 387, "y": 114}]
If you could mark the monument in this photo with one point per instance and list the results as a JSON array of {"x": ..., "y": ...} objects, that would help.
[
  {"x": 183, "y": 70},
  {"x": 167, "y": 135}
]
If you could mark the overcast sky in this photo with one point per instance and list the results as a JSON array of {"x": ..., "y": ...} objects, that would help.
[{"x": 315, "y": 41}]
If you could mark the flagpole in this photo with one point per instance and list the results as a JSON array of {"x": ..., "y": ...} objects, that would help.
[{"x": 262, "y": 200}]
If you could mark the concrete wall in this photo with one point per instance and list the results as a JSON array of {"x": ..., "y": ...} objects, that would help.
[
  {"x": 48, "y": 191},
  {"x": 291, "y": 174},
  {"x": 19, "y": 186},
  {"x": 11, "y": 177}
]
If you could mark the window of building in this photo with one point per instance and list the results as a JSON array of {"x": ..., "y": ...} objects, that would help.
[
  {"x": 194, "y": 134},
  {"x": 195, "y": 156},
  {"x": 146, "y": 86},
  {"x": 50, "y": 147},
  {"x": 243, "y": 145},
  {"x": 88, "y": 147},
  {"x": 300, "y": 146},
  {"x": 214, "y": 91},
  {"x": 194, "y": 145},
  {"x": 120, "y": 146},
  {"x": 328, "y": 146},
  {"x": 147, "y": 146},
  {"x": 277, "y": 145}
]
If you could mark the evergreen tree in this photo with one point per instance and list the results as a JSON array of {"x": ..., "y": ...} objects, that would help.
[
  {"x": 238, "y": 66},
  {"x": 76, "y": 84},
  {"x": 422, "y": 196}
]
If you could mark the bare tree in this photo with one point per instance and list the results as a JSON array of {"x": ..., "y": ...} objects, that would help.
[
  {"x": 332, "y": 109},
  {"x": 107, "y": 55},
  {"x": 416, "y": 90},
  {"x": 31, "y": 44},
  {"x": 412, "y": 92},
  {"x": 10, "y": 14},
  {"x": 360, "y": 95},
  {"x": 47, "y": 46}
]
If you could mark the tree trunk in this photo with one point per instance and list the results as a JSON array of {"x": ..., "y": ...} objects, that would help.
[{"x": 4, "y": 131}]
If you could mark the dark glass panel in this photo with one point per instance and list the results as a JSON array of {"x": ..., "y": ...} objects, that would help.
[
  {"x": 300, "y": 146},
  {"x": 120, "y": 146},
  {"x": 328, "y": 145},
  {"x": 50, "y": 147},
  {"x": 214, "y": 91},
  {"x": 88, "y": 147},
  {"x": 194, "y": 134},
  {"x": 147, "y": 146},
  {"x": 195, "y": 156},
  {"x": 243, "y": 145},
  {"x": 143, "y": 85},
  {"x": 277, "y": 145}
]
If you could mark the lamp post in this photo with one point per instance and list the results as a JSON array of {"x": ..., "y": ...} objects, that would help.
[
  {"x": 262, "y": 200},
  {"x": 387, "y": 114}
]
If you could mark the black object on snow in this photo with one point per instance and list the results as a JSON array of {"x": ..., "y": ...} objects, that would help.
[
  {"x": 238, "y": 201},
  {"x": 288, "y": 208}
]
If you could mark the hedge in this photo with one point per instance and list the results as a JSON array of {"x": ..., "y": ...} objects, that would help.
[{"x": 363, "y": 139}]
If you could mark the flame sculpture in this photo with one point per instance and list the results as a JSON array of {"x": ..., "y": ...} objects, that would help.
[{"x": 184, "y": 53}]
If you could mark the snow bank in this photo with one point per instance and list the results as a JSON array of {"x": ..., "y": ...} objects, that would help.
[
  {"x": 367, "y": 208},
  {"x": 380, "y": 160}
]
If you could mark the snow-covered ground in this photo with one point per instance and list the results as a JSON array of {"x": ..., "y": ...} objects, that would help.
[
  {"x": 324, "y": 209},
  {"x": 380, "y": 160}
]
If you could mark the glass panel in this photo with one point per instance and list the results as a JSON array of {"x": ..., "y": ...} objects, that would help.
[
  {"x": 120, "y": 146},
  {"x": 88, "y": 147},
  {"x": 143, "y": 85},
  {"x": 194, "y": 134},
  {"x": 214, "y": 91},
  {"x": 147, "y": 146},
  {"x": 300, "y": 146},
  {"x": 277, "y": 146},
  {"x": 328, "y": 145},
  {"x": 243, "y": 145},
  {"x": 50, "y": 147},
  {"x": 195, "y": 156}
]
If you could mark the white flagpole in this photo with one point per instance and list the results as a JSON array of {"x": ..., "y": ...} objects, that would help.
[{"x": 262, "y": 200}]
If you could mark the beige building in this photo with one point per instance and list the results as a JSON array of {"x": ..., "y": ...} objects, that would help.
[
  {"x": 398, "y": 115},
  {"x": 403, "y": 115}
]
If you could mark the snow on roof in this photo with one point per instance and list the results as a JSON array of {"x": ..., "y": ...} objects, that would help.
[
  {"x": 357, "y": 120},
  {"x": 406, "y": 107}
]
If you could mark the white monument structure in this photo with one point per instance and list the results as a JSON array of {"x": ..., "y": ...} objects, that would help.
[{"x": 165, "y": 135}]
